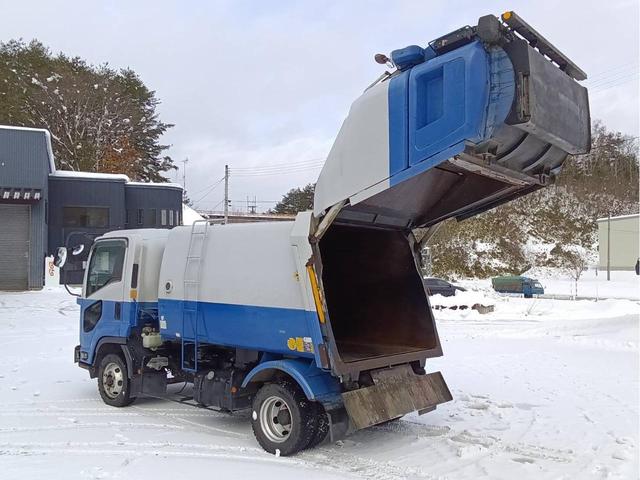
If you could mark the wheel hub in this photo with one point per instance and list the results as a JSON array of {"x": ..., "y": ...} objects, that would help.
[
  {"x": 275, "y": 419},
  {"x": 112, "y": 380}
]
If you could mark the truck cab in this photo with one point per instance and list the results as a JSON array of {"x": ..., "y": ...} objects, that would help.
[{"x": 118, "y": 304}]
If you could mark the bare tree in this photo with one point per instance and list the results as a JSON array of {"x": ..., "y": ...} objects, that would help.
[{"x": 576, "y": 261}]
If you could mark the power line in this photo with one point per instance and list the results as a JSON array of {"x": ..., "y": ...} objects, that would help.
[
  {"x": 622, "y": 81},
  {"x": 208, "y": 187},
  {"x": 279, "y": 166},
  {"x": 613, "y": 78},
  {"x": 277, "y": 172},
  {"x": 609, "y": 71},
  {"x": 211, "y": 189}
]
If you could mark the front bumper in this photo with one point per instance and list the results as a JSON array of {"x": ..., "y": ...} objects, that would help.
[
  {"x": 79, "y": 356},
  {"x": 395, "y": 392}
]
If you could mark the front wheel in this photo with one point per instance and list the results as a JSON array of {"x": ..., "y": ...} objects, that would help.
[
  {"x": 113, "y": 381},
  {"x": 283, "y": 419}
]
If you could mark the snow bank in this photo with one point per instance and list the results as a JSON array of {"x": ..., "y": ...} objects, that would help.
[{"x": 189, "y": 215}]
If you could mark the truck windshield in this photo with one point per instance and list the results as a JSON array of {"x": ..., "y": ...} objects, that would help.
[{"x": 106, "y": 264}]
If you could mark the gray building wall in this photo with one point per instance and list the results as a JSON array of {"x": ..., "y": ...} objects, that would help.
[
  {"x": 27, "y": 164},
  {"x": 152, "y": 199},
  {"x": 25, "y": 161},
  {"x": 83, "y": 192},
  {"x": 625, "y": 242}
]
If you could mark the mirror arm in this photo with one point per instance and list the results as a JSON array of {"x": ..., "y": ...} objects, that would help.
[{"x": 66, "y": 287}]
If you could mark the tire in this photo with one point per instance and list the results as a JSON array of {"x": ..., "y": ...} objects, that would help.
[
  {"x": 113, "y": 381},
  {"x": 282, "y": 418},
  {"x": 321, "y": 428}
]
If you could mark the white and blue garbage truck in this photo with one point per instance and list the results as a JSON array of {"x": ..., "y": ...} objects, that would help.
[{"x": 321, "y": 326}]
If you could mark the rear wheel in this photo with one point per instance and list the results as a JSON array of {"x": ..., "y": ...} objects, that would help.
[
  {"x": 113, "y": 381},
  {"x": 282, "y": 418},
  {"x": 321, "y": 428}
]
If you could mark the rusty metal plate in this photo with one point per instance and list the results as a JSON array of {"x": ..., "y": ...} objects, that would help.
[{"x": 393, "y": 396}]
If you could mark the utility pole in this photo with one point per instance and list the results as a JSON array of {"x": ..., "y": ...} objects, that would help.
[
  {"x": 226, "y": 194},
  {"x": 184, "y": 177},
  {"x": 609, "y": 247}
]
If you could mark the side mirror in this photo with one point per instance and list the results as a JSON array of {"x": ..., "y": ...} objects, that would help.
[
  {"x": 61, "y": 257},
  {"x": 78, "y": 250}
]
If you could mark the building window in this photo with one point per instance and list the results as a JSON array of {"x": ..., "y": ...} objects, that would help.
[
  {"x": 127, "y": 214},
  {"x": 178, "y": 217},
  {"x": 163, "y": 218},
  {"x": 97, "y": 217},
  {"x": 152, "y": 217},
  {"x": 171, "y": 218},
  {"x": 140, "y": 216}
]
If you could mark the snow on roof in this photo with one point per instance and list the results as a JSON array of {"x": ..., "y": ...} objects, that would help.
[
  {"x": 156, "y": 184},
  {"x": 619, "y": 217},
  {"x": 92, "y": 175},
  {"x": 189, "y": 215},
  {"x": 47, "y": 135},
  {"x": 27, "y": 129}
]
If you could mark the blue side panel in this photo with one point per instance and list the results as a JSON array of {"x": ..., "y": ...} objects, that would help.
[
  {"x": 439, "y": 105},
  {"x": 110, "y": 326},
  {"x": 398, "y": 98},
  {"x": 502, "y": 91},
  {"x": 316, "y": 384},
  {"x": 427, "y": 164},
  {"x": 265, "y": 329},
  {"x": 448, "y": 97}
]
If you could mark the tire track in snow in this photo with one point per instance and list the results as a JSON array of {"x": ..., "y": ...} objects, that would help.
[
  {"x": 363, "y": 467},
  {"x": 329, "y": 460},
  {"x": 207, "y": 428},
  {"x": 74, "y": 425}
]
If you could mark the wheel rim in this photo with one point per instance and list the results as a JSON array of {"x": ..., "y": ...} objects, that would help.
[
  {"x": 275, "y": 419},
  {"x": 113, "y": 380}
]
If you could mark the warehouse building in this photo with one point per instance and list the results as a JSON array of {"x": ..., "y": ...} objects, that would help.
[
  {"x": 42, "y": 208},
  {"x": 619, "y": 242}
]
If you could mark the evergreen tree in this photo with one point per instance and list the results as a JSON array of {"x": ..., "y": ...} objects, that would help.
[
  {"x": 100, "y": 119},
  {"x": 296, "y": 200}
]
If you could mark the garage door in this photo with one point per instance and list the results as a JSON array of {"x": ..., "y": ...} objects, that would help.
[{"x": 14, "y": 247}]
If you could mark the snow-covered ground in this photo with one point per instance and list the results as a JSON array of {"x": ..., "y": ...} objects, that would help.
[
  {"x": 596, "y": 285},
  {"x": 544, "y": 389},
  {"x": 591, "y": 284}
]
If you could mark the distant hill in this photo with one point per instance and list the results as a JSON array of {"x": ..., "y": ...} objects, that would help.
[{"x": 551, "y": 227}]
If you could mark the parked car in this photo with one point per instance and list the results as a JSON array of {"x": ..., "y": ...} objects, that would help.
[
  {"x": 517, "y": 284},
  {"x": 437, "y": 286}
]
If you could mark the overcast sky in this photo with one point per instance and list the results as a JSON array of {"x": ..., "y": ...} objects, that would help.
[{"x": 259, "y": 83}]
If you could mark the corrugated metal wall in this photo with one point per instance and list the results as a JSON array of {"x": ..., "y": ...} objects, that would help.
[
  {"x": 24, "y": 163},
  {"x": 152, "y": 200},
  {"x": 14, "y": 247}
]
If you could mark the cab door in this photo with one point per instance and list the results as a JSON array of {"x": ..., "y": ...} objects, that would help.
[{"x": 101, "y": 306}]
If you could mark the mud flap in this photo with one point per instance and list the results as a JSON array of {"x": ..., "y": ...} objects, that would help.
[{"x": 395, "y": 392}]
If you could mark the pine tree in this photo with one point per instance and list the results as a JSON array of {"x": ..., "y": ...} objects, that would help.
[
  {"x": 100, "y": 119},
  {"x": 296, "y": 200}
]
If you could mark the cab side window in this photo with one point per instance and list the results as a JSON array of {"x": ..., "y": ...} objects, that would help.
[{"x": 106, "y": 264}]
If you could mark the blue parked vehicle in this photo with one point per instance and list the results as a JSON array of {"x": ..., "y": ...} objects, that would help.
[{"x": 517, "y": 284}]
